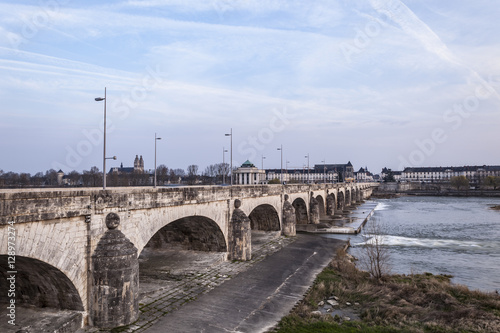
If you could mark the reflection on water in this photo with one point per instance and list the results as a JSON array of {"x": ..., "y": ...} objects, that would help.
[{"x": 457, "y": 236}]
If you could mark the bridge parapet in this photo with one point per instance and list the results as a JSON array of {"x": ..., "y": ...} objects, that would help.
[{"x": 29, "y": 205}]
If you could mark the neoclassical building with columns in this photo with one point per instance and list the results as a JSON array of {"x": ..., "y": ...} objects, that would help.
[{"x": 249, "y": 174}]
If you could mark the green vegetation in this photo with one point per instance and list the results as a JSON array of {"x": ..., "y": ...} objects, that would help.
[
  {"x": 492, "y": 181},
  {"x": 393, "y": 303},
  {"x": 274, "y": 181},
  {"x": 459, "y": 181},
  {"x": 389, "y": 177}
]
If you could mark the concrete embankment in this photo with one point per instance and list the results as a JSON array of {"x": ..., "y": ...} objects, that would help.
[
  {"x": 432, "y": 189},
  {"x": 350, "y": 221}
]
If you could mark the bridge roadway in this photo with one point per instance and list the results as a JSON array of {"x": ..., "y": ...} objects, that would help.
[{"x": 77, "y": 249}]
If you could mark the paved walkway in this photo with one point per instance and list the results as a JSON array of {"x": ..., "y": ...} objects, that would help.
[
  {"x": 178, "y": 291},
  {"x": 253, "y": 301}
]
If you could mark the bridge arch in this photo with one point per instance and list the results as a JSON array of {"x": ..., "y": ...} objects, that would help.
[
  {"x": 340, "y": 201},
  {"x": 321, "y": 204},
  {"x": 348, "y": 197},
  {"x": 41, "y": 285},
  {"x": 300, "y": 211},
  {"x": 198, "y": 233},
  {"x": 265, "y": 217}
]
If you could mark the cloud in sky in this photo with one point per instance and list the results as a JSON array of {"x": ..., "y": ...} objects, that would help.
[{"x": 367, "y": 81}]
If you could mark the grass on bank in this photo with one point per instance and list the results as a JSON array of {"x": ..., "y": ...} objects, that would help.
[{"x": 394, "y": 303}]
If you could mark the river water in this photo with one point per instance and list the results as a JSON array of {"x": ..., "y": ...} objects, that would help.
[{"x": 440, "y": 235}]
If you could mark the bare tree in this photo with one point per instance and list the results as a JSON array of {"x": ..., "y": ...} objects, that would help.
[
  {"x": 192, "y": 171},
  {"x": 376, "y": 256},
  {"x": 74, "y": 177},
  {"x": 162, "y": 174},
  {"x": 51, "y": 177},
  {"x": 176, "y": 175},
  {"x": 92, "y": 178},
  {"x": 24, "y": 179},
  {"x": 223, "y": 171},
  {"x": 37, "y": 179}
]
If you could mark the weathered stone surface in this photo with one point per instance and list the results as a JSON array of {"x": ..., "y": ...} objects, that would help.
[
  {"x": 330, "y": 204},
  {"x": 196, "y": 233},
  {"x": 265, "y": 218},
  {"x": 62, "y": 227},
  {"x": 240, "y": 235},
  {"x": 332, "y": 302},
  {"x": 289, "y": 218},
  {"x": 115, "y": 281},
  {"x": 313, "y": 210}
]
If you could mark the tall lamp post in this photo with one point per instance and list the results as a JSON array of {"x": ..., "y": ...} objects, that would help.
[
  {"x": 104, "y": 158},
  {"x": 324, "y": 171},
  {"x": 231, "y": 171},
  {"x": 281, "y": 174},
  {"x": 224, "y": 151},
  {"x": 156, "y": 139},
  {"x": 307, "y": 156}
]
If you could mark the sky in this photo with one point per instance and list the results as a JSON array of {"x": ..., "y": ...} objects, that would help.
[{"x": 379, "y": 83}]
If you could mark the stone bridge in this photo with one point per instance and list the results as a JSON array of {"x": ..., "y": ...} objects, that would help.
[{"x": 78, "y": 248}]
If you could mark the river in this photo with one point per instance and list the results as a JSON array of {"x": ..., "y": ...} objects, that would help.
[{"x": 440, "y": 235}]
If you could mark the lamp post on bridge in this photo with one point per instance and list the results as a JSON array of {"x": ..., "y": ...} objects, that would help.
[
  {"x": 324, "y": 171},
  {"x": 281, "y": 173},
  {"x": 104, "y": 158},
  {"x": 224, "y": 151},
  {"x": 307, "y": 156},
  {"x": 231, "y": 171},
  {"x": 156, "y": 139}
]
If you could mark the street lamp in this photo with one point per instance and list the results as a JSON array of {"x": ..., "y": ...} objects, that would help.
[
  {"x": 286, "y": 170},
  {"x": 281, "y": 174},
  {"x": 156, "y": 139},
  {"x": 263, "y": 158},
  {"x": 324, "y": 171},
  {"x": 307, "y": 156},
  {"x": 104, "y": 158},
  {"x": 231, "y": 174},
  {"x": 224, "y": 151}
]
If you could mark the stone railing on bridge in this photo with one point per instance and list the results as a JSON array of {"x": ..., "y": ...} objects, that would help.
[{"x": 29, "y": 205}]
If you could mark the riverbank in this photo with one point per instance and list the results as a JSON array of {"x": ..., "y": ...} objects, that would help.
[
  {"x": 395, "y": 189},
  {"x": 345, "y": 299}
]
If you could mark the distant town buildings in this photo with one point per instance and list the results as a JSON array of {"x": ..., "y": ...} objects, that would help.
[
  {"x": 475, "y": 174},
  {"x": 137, "y": 168},
  {"x": 329, "y": 173}
]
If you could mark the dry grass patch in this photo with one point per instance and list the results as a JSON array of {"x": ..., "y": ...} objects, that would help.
[{"x": 404, "y": 303}]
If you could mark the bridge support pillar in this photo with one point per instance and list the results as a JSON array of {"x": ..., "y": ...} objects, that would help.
[
  {"x": 313, "y": 210},
  {"x": 289, "y": 219},
  {"x": 330, "y": 205},
  {"x": 240, "y": 235},
  {"x": 115, "y": 279}
]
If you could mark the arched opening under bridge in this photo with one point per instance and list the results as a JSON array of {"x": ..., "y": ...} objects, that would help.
[
  {"x": 182, "y": 248},
  {"x": 45, "y": 297},
  {"x": 300, "y": 211}
]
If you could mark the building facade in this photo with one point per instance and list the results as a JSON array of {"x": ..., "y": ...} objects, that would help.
[
  {"x": 302, "y": 176},
  {"x": 249, "y": 174},
  {"x": 475, "y": 174},
  {"x": 138, "y": 167}
]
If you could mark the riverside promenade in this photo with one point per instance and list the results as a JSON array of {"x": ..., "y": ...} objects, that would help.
[{"x": 256, "y": 300}]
